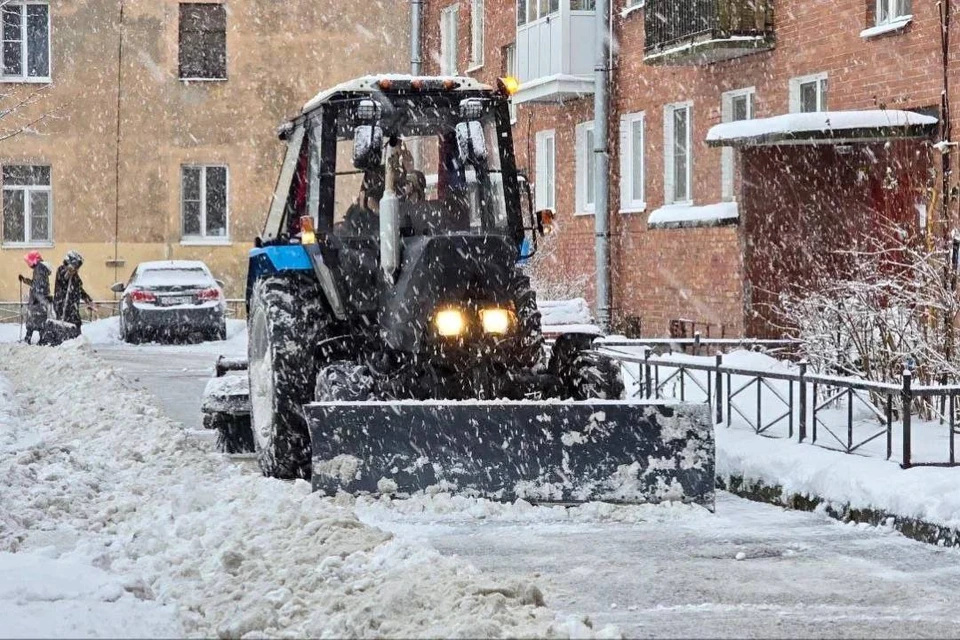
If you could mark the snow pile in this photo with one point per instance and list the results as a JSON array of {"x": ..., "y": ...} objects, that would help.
[
  {"x": 43, "y": 596},
  {"x": 10, "y": 332},
  {"x": 931, "y": 494},
  {"x": 448, "y": 508},
  {"x": 573, "y": 311},
  {"x": 124, "y": 489}
]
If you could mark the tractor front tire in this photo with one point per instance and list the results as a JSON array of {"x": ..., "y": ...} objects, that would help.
[
  {"x": 594, "y": 376},
  {"x": 286, "y": 320}
]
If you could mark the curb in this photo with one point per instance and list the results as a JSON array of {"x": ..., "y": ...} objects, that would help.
[{"x": 913, "y": 528}]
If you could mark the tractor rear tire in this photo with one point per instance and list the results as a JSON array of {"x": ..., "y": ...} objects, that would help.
[
  {"x": 287, "y": 317},
  {"x": 343, "y": 381},
  {"x": 594, "y": 376},
  {"x": 233, "y": 432}
]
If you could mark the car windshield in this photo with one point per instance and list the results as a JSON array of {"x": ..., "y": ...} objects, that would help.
[
  {"x": 440, "y": 190},
  {"x": 175, "y": 277}
]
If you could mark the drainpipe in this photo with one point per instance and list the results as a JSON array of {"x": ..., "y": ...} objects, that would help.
[
  {"x": 416, "y": 20},
  {"x": 116, "y": 202},
  {"x": 601, "y": 150}
]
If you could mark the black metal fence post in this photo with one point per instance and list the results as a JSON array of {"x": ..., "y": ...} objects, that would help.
[
  {"x": 696, "y": 343},
  {"x": 802, "y": 427},
  {"x": 646, "y": 372},
  {"x": 906, "y": 397},
  {"x": 718, "y": 391}
]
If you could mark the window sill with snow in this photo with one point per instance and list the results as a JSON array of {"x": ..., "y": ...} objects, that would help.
[
  {"x": 895, "y": 25},
  {"x": 686, "y": 216},
  {"x": 206, "y": 242}
]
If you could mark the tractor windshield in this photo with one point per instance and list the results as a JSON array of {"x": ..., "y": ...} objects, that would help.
[{"x": 441, "y": 188}]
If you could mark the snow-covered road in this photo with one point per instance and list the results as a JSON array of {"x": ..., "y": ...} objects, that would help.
[{"x": 662, "y": 571}]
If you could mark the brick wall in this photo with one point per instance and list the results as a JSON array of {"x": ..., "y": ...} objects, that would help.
[{"x": 698, "y": 274}]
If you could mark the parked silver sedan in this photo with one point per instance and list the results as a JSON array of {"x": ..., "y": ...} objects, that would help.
[{"x": 171, "y": 299}]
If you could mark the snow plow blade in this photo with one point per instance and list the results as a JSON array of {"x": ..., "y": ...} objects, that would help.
[{"x": 567, "y": 452}]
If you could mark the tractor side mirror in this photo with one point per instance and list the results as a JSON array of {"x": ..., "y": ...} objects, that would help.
[
  {"x": 471, "y": 143},
  {"x": 118, "y": 287},
  {"x": 367, "y": 146}
]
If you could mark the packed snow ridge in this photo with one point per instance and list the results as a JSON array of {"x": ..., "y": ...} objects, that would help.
[{"x": 152, "y": 524}]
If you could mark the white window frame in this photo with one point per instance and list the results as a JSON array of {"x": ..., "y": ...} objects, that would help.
[
  {"x": 629, "y": 157},
  {"x": 533, "y": 13},
  {"x": 477, "y": 39},
  {"x": 449, "y": 19},
  {"x": 203, "y": 238},
  {"x": 546, "y": 184},
  {"x": 894, "y": 12},
  {"x": 28, "y": 189},
  {"x": 24, "y": 51},
  {"x": 728, "y": 154},
  {"x": 669, "y": 142},
  {"x": 584, "y": 162},
  {"x": 796, "y": 84}
]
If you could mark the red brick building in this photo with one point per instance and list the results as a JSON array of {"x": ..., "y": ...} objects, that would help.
[{"x": 709, "y": 234}]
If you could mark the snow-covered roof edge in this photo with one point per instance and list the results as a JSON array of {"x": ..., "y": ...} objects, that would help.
[
  {"x": 825, "y": 126},
  {"x": 683, "y": 216},
  {"x": 369, "y": 84}
]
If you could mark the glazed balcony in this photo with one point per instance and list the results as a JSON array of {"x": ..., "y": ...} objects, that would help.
[
  {"x": 693, "y": 32},
  {"x": 555, "y": 49}
]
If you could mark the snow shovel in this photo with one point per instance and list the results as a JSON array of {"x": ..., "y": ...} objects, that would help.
[
  {"x": 56, "y": 332},
  {"x": 547, "y": 452}
]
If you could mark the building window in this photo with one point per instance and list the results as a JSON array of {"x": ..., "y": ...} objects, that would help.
[
  {"x": 530, "y": 10},
  {"x": 27, "y": 205},
  {"x": 26, "y": 42},
  {"x": 632, "y": 163},
  {"x": 735, "y": 106},
  {"x": 476, "y": 33},
  {"x": 546, "y": 170},
  {"x": 892, "y": 11},
  {"x": 448, "y": 40},
  {"x": 586, "y": 168},
  {"x": 583, "y": 5},
  {"x": 204, "y": 191},
  {"x": 678, "y": 156},
  {"x": 808, "y": 93},
  {"x": 510, "y": 70},
  {"x": 203, "y": 41}
]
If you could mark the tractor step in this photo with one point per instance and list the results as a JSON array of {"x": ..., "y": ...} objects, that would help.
[{"x": 563, "y": 452}]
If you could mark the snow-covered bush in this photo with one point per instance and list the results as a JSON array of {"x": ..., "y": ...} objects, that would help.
[
  {"x": 894, "y": 307},
  {"x": 550, "y": 278}
]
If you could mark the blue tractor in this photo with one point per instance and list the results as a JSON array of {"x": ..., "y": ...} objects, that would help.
[{"x": 394, "y": 341}]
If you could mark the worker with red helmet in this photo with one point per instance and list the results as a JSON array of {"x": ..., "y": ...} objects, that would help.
[{"x": 39, "y": 302}]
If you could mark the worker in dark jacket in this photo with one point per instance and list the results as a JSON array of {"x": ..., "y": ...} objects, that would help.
[
  {"x": 68, "y": 290},
  {"x": 39, "y": 302}
]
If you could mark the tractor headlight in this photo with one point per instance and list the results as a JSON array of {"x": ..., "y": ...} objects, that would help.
[
  {"x": 449, "y": 322},
  {"x": 495, "y": 320}
]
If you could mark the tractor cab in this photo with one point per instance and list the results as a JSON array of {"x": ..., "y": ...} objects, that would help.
[{"x": 381, "y": 158}]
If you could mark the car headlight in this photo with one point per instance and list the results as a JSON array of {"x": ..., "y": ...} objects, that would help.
[
  {"x": 449, "y": 322},
  {"x": 495, "y": 320}
]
